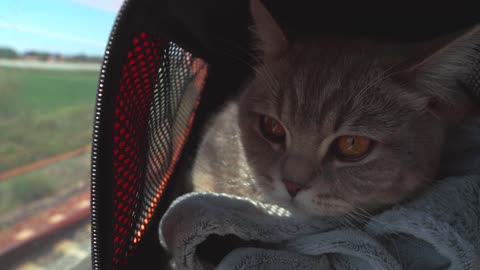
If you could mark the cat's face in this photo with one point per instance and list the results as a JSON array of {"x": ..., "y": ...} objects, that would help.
[
  {"x": 330, "y": 125},
  {"x": 327, "y": 132}
]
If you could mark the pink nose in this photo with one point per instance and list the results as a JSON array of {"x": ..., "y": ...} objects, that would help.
[{"x": 292, "y": 187}]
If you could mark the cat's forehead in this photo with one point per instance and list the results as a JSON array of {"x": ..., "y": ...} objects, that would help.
[
  {"x": 315, "y": 85},
  {"x": 311, "y": 65},
  {"x": 308, "y": 79}
]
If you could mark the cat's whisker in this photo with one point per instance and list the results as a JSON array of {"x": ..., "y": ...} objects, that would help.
[
  {"x": 348, "y": 217},
  {"x": 264, "y": 74},
  {"x": 353, "y": 227},
  {"x": 385, "y": 75},
  {"x": 235, "y": 47},
  {"x": 434, "y": 114},
  {"x": 359, "y": 217},
  {"x": 388, "y": 236},
  {"x": 347, "y": 222},
  {"x": 232, "y": 54},
  {"x": 271, "y": 81},
  {"x": 386, "y": 224},
  {"x": 392, "y": 237},
  {"x": 395, "y": 236},
  {"x": 341, "y": 220}
]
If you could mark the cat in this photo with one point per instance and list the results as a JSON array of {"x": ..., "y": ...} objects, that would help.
[{"x": 331, "y": 124}]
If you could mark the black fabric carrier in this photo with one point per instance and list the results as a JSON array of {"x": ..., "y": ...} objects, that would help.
[{"x": 171, "y": 64}]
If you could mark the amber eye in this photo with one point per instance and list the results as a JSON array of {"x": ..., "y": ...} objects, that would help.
[
  {"x": 271, "y": 129},
  {"x": 352, "y": 148}
]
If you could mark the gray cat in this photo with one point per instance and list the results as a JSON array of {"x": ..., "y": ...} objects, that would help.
[{"x": 335, "y": 124}]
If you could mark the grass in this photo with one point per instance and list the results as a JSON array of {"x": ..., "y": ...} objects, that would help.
[
  {"x": 35, "y": 185},
  {"x": 43, "y": 113}
]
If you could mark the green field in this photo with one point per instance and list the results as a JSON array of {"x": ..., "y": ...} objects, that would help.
[
  {"x": 43, "y": 113},
  {"x": 55, "y": 179}
]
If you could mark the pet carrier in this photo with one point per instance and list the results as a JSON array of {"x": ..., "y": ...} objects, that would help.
[{"x": 169, "y": 65}]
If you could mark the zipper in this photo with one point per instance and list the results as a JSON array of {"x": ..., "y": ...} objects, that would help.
[{"x": 96, "y": 264}]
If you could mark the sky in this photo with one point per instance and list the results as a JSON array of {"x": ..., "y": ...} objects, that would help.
[{"x": 57, "y": 26}]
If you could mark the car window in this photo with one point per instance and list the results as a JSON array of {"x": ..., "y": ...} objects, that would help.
[{"x": 50, "y": 56}]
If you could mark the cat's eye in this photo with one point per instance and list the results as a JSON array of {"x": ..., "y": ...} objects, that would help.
[
  {"x": 352, "y": 148},
  {"x": 271, "y": 129}
]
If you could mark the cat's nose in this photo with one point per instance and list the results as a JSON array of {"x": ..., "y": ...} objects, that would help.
[{"x": 292, "y": 187}]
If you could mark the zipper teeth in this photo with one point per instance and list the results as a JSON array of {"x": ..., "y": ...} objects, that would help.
[{"x": 96, "y": 264}]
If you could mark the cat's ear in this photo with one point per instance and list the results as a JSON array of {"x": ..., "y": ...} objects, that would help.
[
  {"x": 270, "y": 37},
  {"x": 446, "y": 71}
]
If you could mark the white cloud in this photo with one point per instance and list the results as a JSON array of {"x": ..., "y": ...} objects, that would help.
[
  {"x": 108, "y": 5},
  {"x": 51, "y": 34}
]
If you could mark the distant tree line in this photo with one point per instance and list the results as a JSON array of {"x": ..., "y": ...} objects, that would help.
[{"x": 8, "y": 53}]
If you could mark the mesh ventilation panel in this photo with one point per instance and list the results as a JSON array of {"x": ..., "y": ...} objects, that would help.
[{"x": 159, "y": 91}]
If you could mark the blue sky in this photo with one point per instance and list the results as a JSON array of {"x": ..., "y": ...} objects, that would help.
[{"x": 57, "y": 26}]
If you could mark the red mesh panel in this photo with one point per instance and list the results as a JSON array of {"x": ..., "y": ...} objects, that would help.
[
  {"x": 159, "y": 92},
  {"x": 176, "y": 97}
]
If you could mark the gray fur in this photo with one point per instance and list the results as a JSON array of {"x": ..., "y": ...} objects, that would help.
[{"x": 403, "y": 96}]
